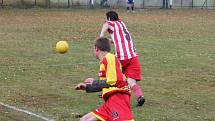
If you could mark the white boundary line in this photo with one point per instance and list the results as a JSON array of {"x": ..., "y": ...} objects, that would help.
[{"x": 25, "y": 111}]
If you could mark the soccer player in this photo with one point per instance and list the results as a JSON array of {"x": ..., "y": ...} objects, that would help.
[
  {"x": 111, "y": 82},
  {"x": 130, "y": 4},
  {"x": 125, "y": 52}
]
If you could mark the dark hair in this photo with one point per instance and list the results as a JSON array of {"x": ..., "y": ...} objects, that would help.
[
  {"x": 112, "y": 15},
  {"x": 103, "y": 44}
]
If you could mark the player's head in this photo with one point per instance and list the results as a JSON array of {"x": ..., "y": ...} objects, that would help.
[
  {"x": 112, "y": 16},
  {"x": 102, "y": 45}
]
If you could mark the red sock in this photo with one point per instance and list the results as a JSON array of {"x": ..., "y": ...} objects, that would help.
[{"x": 137, "y": 90}]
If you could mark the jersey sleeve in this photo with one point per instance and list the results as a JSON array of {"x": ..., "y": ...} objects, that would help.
[{"x": 110, "y": 27}]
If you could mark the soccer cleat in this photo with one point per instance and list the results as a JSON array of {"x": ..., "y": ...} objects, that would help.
[{"x": 140, "y": 101}]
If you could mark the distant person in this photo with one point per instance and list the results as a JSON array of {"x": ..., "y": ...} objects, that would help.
[
  {"x": 125, "y": 52},
  {"x": 170, "y": 4},
  {"x": 104, "y": 3},
  {"x": 167, "y": 4},
  {"x": 91, "y": 3},
  {"x": 111, "y": 82},
  {"x": 130, "y": 5}
]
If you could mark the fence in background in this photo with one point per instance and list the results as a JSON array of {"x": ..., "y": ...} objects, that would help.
[{"x": 110, "y": 3}]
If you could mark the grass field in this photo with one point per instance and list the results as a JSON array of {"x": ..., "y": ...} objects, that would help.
[{"x": 176, "y": 49}]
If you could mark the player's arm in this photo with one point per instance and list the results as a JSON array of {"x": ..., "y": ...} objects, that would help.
[
  {"x": 111, "y": 41},
  {"x": 104, "y": 29},
  {"x": 97, "y": 86}
]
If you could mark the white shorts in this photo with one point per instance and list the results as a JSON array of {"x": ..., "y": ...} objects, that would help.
[{"x": 130, "y": 4}]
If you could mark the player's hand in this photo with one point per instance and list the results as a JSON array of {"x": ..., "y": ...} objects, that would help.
[
  {"x": 98, "y": 37},
  {"x": 111, "y": 41},
  {"x": 81, "y": 86},
  {"x": 89, "y": 80}
]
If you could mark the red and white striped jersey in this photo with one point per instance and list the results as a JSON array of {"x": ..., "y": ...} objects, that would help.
[{"x": 124, "y": 46}]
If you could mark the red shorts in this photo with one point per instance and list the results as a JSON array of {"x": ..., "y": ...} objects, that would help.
[
  {"x": 132, "y": 68},
  {"x": 116, "y": 108}
]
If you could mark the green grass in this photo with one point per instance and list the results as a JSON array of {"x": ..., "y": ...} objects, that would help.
[{"x": 176, "y": 49}]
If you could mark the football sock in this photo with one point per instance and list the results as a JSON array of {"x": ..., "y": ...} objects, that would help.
[{"x": 137, "y": 91}]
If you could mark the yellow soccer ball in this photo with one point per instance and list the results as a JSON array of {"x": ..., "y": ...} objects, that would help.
[{"x": 62, "y": 47}]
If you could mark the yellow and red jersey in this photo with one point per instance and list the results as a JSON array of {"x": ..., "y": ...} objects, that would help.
[{"x": 110, "y": 70}]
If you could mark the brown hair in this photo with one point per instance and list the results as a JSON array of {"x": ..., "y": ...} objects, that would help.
[{"x": 103, "y": 44}]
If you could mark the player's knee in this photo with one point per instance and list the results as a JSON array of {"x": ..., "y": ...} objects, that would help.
[
  {"x": 131, "y": 82},
  {"x": 88, "y": 117},
  {"x": 81, "y": 119},
  {"x": 84, "y": 118}
]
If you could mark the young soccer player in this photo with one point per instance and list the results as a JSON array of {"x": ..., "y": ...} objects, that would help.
[
  {"x": 130, "y": 4},
  {"x": 125, "y": 52},
  {"x": 114, "y": 88}
]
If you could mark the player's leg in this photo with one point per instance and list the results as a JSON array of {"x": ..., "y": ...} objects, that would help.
[
  {"x": 136, "y": 89},
  {"x": 132, "y": 7},
  {"x": 88, "y": 117},
  {"x": 127, "y": 7},
  {"x": 132, "y": 70}
]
